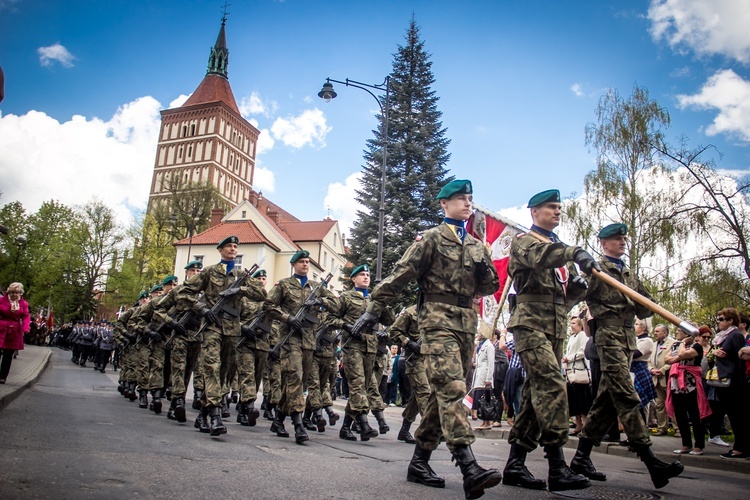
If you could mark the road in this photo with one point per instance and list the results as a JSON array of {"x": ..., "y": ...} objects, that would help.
[{"x": 73, "y": 436}]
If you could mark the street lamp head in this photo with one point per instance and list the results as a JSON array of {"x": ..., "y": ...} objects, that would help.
[{"x": 327, "y": 93}]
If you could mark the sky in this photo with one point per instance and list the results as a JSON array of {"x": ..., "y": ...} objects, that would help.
[{"x": 517, "y": 83}]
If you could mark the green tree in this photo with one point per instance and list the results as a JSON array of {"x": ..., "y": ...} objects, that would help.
[{"x": 416, "y": 163}]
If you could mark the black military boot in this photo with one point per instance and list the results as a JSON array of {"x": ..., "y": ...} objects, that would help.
[
  {"x": 278, "y": 424},
  {"x": 168, "y": 393},
  {"x": 355, "y": 427},
  {"x": 476, "y": 478},
  {"x": 661, "y": 472},
  {"x": 560, "y": 477},
  {"x": 131, "y": 394},
  {"x": 179, "y": 409},
  {"x": 201, "y": 421},
  {"x": 252, "y": 414},
  {"x": 382, "y": 425},
  {"x": 156, "y": 395},
  {"x": 420, "y": 471},
  {"x": 333, "y": 417},
  {"x": 267, "y": 411},
  {"x": 516, "y": 473},
  {"x": 300, "y": 435},
  {"x": 197, "y": 399},
  {"x": 319, "y": 420},
  {"x": 235, "y": 397},
  {"x": 346, "y": 429},
  {"x": 365, "y": 431},
  {"x": 225, "y": 413},
  {"x": 581, "y": 463},
  {"x": 241, "y": 415},
  {"x": 170, "y": 410},
  {"x": 142, "y": 398},
  {"x": 404, "y": 434},
  {"x": 217, "y": 426},
  {"x": 306, "y": 423},
  {"x": 121, "y": 388}
]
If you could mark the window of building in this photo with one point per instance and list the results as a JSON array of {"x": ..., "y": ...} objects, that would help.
[
  {"x": 190, "y": 151},
  {"x": 244, "y": 214},
  {"x": 335, "y": 237},
  {"x": 192, "y": 129},
  {"x": 179, "y": 153},
  {"x": 238, "y": 260},
  {"x": 184, "y": 130},
  {"x": 197, "y": 257},
  {"x": 332, "y": 264},
  {"x": 325, "y": 257}
]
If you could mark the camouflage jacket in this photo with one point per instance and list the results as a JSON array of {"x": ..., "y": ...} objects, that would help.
[
  {"x": 608, "y": 305},
  {"x": 211, "y": 282},
  {"x": 250, "y": 309},
  {"x": 324, "y": 348},
  {"x": 346, "y": 309},
  {"x": 406, "y": 327},
  {"x": 443, "y": 268},
  {"x": 121, "y": 325},
  {"x": 142, "y": 318},
  {"x": 542, "y": 275},
  {"x": 285, "y": 299}
]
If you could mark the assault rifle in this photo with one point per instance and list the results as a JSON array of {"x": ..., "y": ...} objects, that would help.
[
  {"x": 303, "y": 315},
  {"x": 256, "y": 328},
  {"x": 186, "y": 321},
  {"x": 323, "y": 339},
  {"x": 382, "y": 334},
  {"x": 411, "y": 354}
]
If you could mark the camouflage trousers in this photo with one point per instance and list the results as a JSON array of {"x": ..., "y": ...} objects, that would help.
[
  {"x": 217, "y": 360},
  {"x": 543, "y": 417},
  {"x": 272, "y": 382},
  {"x": 358, "y": 367},
  {"x": 296, "y": 366},
  {"x": 447, "y": 357},
  {"x": 127, "y": 364},
  {"x": 373, "y": 391},
  {"x": 251, "y": 364},
  {"x": 141, "y": 365},
  {"x": 420, "y": 388},
  {"x": 617, "y": 397},
  {"x": 184, "y": 356},
  {"x": 156, "y": 354},
  {"x": 318, "y": 388}
]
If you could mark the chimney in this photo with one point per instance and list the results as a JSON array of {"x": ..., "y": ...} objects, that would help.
[
  {"x": 274, "y": 216},
  {"x": 216, "y": 215},
  {"x": 252, "y": 197}
]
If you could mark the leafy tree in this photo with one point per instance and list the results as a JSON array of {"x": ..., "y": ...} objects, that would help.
[{"x": 416, "y": 163}]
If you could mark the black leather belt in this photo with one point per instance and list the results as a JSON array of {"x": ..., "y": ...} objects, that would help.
[
  {"x": 547, "y": 299},
  {"x": 451, "y": 300},
  {"x": 626, "y": 323}
]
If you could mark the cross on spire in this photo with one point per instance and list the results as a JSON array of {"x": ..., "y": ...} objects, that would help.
[{"x": 224, "y": 17}]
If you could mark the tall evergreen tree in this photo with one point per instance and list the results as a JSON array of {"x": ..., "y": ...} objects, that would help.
[{"x": 416, "y": 163}]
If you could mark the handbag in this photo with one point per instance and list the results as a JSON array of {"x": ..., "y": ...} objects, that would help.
[
  {"x": 576, "y": 375},
  {"x": 712, "y": 378},
  {"x": 488, "y": 408}
]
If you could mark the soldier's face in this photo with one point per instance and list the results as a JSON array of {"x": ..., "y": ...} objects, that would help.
[
  {"x": 457, "y": 206},
  {"x": 263, "y": 280},
  {"x": 228, "y": 251},
  {"x": 362, "y": 280},
  {"x": 615, "y": 246},
  {"x": 301, "y": 267},
  {"x": 191, "y": 272},
  {"x": 547, "y": 215}
]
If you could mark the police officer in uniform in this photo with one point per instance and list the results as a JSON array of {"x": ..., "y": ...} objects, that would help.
[
  {"x": 547, "y": 286},
  {"x": 615, "y": 341},
  {"x": 451, "y": 268}
]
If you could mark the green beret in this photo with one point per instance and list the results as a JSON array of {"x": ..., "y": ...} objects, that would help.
[
  {"x": 156, "y": 288},
  {"x": 143, "y": 295},
  {"x": 455, "y": 187},
  {"x": 300, "y": 254},
  {"x": 260, "y": 273},
  {"x": 227, "y": 240},
  {"x": 359, "y": 269},
  {"x": 551, "y": 195},
  {"x": 169, "y": 280},
  {"x": 615, "y": 229},
  {"x": 194, "y": 264}
]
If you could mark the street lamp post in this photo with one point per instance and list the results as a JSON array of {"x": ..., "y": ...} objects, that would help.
[
  {"x": 327, "y": 93},
  {"x": 20, "y": 242}
]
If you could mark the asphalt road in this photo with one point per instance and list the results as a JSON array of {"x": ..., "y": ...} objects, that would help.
[{"x": 73, "y": 436}]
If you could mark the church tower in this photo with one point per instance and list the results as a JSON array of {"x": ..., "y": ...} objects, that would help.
[{"x": 207, "y": 139}]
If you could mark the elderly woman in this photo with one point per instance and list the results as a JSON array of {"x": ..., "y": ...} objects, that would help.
[
  {"x": 578, "y": 375},
  {"x": 484, "y": 374},
  {"x": 14, "y": 322},
  {"x": 644, "y": 386}
]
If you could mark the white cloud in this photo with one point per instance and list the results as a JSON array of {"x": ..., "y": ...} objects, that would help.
[
  {"x": 309, "y": 128},
  {"x": 341, "y": 200},
  {"x": 76, "y": 160},
  {"x": 254, "y": 105},
  {"x": 577, "y": 89},
  {"x": 55, "y": 52},
  {"x": 264, "y": 180},
  {"x": 730, "y": 94},
  {"x": 179, "y": 101},
  {"x": 706, "y": 27}
]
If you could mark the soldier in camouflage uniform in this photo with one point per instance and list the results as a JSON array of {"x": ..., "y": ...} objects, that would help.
[
  {"x": 318, "y": 390},
  {"x": 143, "y": 351},
  {"x": 382, "y": 358},
  {"x": 547, "y": 286},
  {"x": 222, "y": 330},
  {"x": 615, "y": 341},
  {"x": 284, "y": 301},
  {"x": 405, "y": 332},
  {"x": 125, "y": 335},
  {"x": 153, "y": 349},
  {"x": 252, "y": 353},
  {"x": 271, "y": 377},
  {"x": 451, "y": 268}
]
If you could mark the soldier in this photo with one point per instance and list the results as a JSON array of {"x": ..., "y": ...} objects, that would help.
[
  {"x": 284, "y": 300},
  {"x": 126, "y": 337},
  {"x": 615, "y": 341},
  {"x": 105, "y": 345},
  {"x": 547, "y": 286},
  {"x": 451, "y": 268},
  {"x": 151, "y": 353},
  {"x": 318, "y": 389},
  {"x": 222, "y": 330},
  {"x": 405, "y": 332},
  {"x": 252, "y": 352}
]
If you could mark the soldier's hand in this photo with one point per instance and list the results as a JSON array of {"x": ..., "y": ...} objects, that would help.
[
  {"x": 579, "y": 282},
  {"x": 229, "y": 292},
  {"x": 209, "y": 316},
  {"x": 481, "y": 269},
  {"x": 585, "y": 261},
  {"x": 365, "y": 322},
  {"x": 313, "y": 302},
  {"x": 153, "y": 335},
  {"x": 414, "y": 347},
  {"x": 176, "y": 327},
  {"x": 294, "y": 323},
  {"x": 247, "y": 332},
  {"x": 382, "y": 335}
]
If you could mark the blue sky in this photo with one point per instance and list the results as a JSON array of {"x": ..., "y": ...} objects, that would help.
[{"x": 518, "y": 81}]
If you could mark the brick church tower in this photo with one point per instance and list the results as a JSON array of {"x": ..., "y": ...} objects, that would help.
[{"x": 207, "y": 139}]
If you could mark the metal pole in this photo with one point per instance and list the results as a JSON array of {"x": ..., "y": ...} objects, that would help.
[{"x": 381, "y": 210}]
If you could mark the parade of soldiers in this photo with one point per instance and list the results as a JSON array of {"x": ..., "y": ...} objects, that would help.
[{"x": 224, "y": 331}]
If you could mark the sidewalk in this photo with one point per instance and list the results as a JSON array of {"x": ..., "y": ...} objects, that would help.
[{"x": 24, "y": 372}]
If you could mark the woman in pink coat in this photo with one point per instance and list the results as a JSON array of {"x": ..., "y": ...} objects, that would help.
[{"x": 14, "y": 322}]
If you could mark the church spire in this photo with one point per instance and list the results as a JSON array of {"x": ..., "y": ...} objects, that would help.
[{"x": 218, "y": 60}]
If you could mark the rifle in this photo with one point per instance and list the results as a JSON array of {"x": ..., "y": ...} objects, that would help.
[
  {"x": 257, "y": 327},
  {"x": 322, "y": 339},
  {"x": 412, "y": 353},
  {"x": 186, "y": 321},
  {"x": 222, "y": 305},
  {"x": 380, "y": 333},
  {"x": 302, "y": 315}
]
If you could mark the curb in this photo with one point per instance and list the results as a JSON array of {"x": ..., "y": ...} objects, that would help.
[{"x": 16, "y": 391}]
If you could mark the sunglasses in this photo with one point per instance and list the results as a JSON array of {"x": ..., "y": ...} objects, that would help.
[{"x": 721, "y": 318}]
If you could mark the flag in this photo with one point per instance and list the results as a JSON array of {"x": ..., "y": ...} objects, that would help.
[
  {"x": 468, "y": 401},
  {"x": 497, "y": 232},
  {"x": 50, "y": 319}
]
